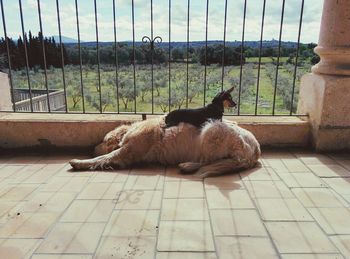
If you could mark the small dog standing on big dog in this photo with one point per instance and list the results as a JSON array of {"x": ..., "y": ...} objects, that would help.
[
  {"x": 201, "y": 144},
  {"x": 197, "y": 117}
]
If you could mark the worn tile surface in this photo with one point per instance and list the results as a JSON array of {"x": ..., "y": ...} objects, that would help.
[{"x": 294, "y": 205}]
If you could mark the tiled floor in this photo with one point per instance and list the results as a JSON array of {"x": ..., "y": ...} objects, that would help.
[{"x": 296, "y": 205}]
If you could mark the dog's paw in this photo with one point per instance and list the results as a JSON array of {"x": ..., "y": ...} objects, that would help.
[
  {"x": 75, "y": 164},
  {"x": 189, "y": 167}
]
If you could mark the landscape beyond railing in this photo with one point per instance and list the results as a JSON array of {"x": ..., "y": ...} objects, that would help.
[{"x": 149, "y": 76}]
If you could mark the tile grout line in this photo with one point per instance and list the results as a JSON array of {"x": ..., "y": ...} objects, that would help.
[
  {"x": 316, "y": 222},
  {"x": 160, "y": 214},
  {"x": 110, "y": 216},
  {"x": 263, "y": 223},
  {"x": 209, "y": 217},
  {"x": 59, "y": 217}
]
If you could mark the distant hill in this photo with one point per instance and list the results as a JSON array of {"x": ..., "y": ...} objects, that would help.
[
  {"x": 182, "y": 44},
  {"x": 65, "y": 39}
]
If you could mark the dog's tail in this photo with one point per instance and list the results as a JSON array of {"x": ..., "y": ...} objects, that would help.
[{"x": 224, "y": 166}]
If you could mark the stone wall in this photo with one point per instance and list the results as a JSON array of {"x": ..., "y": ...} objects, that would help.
[{"x": 5, "y": 93}]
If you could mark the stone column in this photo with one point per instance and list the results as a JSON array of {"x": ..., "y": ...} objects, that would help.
[
  {"x": 325, "y": 93},
  {"x": 5, "y": 93}
]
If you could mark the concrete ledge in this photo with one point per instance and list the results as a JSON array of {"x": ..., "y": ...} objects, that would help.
[{"x": 19, "y": 130}]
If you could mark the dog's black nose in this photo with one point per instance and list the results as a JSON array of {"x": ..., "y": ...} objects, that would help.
[{"x": 233, "y": 104}]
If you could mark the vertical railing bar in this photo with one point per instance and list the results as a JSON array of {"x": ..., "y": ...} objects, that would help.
[
  {"x": 26, "y": 55},
  {"x": 98, "y": 57},
  {"x": 241, "y": 60},
  {"x": 297, "y": 55},
  {"x": 278, "y": 58},
  {"x": 8, "y": 57},
  {"x": 206, "y": 48},
  {"x": 62, "y": 58},
  {"x": 80, "y": 58},
  {"x": 187, "y": 48},
  {"x": 152, "y": 56},
  {"x": 223, "y": 53},
  {"x": 44, "y": 56},
  {"x": 133, "y": 50},
  {"x": 169, "y": 55},
  {"x": 259, "y": 64},
  {"x": 116, "y": 54}
]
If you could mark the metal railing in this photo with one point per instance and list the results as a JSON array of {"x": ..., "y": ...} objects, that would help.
[{"x": 153, "y": 43}]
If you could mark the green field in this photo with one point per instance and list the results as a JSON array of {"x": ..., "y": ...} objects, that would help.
[{"x": 179, "y": 96}]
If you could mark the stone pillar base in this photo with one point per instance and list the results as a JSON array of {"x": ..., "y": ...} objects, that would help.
[{"x": 326, "y": 99}]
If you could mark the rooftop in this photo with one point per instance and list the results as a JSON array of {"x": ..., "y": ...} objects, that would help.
[{"x": 295, "y": 205}]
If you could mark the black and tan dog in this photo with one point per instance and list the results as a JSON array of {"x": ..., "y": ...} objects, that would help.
[{"x": 197, "y": 117}]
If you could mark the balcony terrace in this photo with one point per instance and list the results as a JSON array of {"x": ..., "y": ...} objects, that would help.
[{"x": 295, "y": 204}]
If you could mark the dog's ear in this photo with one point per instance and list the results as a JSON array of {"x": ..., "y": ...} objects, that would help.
[
  {"x": 218, "y": 97},
  {"x": 230, "y": 90}
]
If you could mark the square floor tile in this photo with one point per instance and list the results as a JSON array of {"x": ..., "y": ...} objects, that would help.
[
  {"x": 277, "y": 165},
  {"x": 88, "y": 211},
  {"x": 185, "y": 236},
  {"x": 61, "y": 256},
  {"x": 231, "y": 181},
  {"x": 295, "y": 165},
  {"x": 26, "y": 224},
  {"x": 185, "y": 255},
  {"x": 315, "y": 159},
  {"x": 17, "y": 192},
  {"x": 299, "y": 237},
  {"x": 259, "y": 174},
  {"x": 312, "y": 256},
  {"x": 268, "y": 189},
  {"x": 342, "y": 242},
  {"x": 245, "y": 247},
  {"x": 302, "y": 180},
  {"x": 237, "y": 222},
  {"x": 18, "y": 248},
  {"x": 282, "y": 210},
  {"x": 139, "y": 199},
  {"x": 187, "y": 189},
  {"x": 319, "y": 197},
  {"x": 126, "y": 247},
  {"x": 132, "y": 223},
  {"x": 75, "y": 184},
  {"x": 228, "y": 199},
  {"x": 110, "y": 177},
  {"x": 340, "y": 185},
  {"x": 332, "y": 220},
  {"x": 151, "y": 181},
  {"x": 72, "y": 238},
  {"x": 101, "y": 191},
  {"x": 184, "y": 209},
  {"x": 330, "y": 171}
]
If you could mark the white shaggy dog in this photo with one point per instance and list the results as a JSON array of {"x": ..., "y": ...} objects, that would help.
[{"x": 217, "y": 148}]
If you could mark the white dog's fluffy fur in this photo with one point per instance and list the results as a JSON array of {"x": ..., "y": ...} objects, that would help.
[{"x": 217, "y": 148}]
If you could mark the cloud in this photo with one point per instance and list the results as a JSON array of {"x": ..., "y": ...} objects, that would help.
[{"x": 310, "y": 29}]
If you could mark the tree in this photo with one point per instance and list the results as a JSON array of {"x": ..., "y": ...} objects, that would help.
[
  {"x": 145, "y": 87},
  {"x": 163, "y": 103},
  {"x": 74, "y": 91},
  {"x": 193, "y": 90},
  {"x": 177, "y": 54},
  {"x": 159, "y": 82},
  {"x": 213, "y": 54},
  {"x": 126, "y": 92},
  {"x": 178, "y": 97}
]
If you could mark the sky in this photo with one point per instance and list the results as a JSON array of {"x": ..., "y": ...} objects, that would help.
[{"x": 179, "y": 9}]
